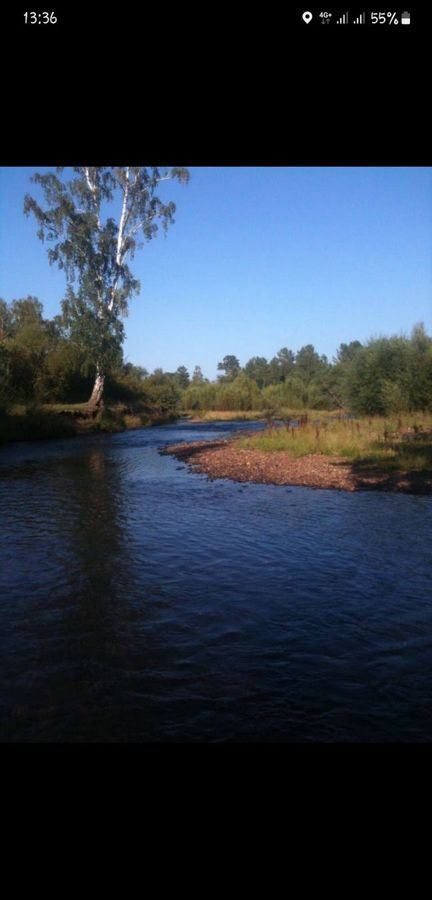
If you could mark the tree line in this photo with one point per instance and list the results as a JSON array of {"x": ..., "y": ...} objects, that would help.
[
  {"x": 45, "y": 361},
  {"x": 382, "y": 376}
]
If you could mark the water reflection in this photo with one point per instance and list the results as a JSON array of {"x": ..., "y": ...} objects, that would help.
[{"x": 69, "y": 581}]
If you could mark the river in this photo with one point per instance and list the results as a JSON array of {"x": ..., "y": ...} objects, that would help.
[{"x": 142, "y": 602}]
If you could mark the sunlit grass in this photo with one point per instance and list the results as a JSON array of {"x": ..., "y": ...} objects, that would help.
[
  {"x": 64, "y": 407},
  {"x": 375, "y": 441},
  {"x": 224, "y": 415}
]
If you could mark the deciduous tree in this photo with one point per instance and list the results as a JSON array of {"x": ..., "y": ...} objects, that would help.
[{"x": 94, "y": 245}]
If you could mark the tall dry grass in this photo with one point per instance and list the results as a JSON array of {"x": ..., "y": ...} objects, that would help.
[{"x": 403, "y": 441}]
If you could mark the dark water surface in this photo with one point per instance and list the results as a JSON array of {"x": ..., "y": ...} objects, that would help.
[{"x": 140, "y": 602}]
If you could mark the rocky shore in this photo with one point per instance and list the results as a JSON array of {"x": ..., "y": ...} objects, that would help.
[{"x": 223, "y": 459}]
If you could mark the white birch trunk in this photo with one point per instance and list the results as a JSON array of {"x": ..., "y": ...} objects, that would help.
[
  {"x": 97, "y": 392},
  {"x": 120, "y": 237}
]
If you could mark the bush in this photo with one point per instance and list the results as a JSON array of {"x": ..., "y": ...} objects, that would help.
[{"x": 109, "y": 422}]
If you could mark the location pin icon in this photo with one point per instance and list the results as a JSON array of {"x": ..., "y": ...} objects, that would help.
[{"x": 307, "y": 17}]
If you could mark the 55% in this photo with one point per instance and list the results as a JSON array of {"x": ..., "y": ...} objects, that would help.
[{"x": 383, "y": 18}]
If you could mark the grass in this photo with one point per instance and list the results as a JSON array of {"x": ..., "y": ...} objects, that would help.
[
  {"x": 210, "y": 415},
  {"x": 223, "y": 415},
  {"x": 64, "y": 407},
  {"x": 370, "y": 442}
]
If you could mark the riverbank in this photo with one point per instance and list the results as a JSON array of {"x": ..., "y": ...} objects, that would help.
[
  {"x": 70, "y": 420},
  {"x": 256, "y": 415},
  {"x": 210, "y": 415},
  {"x": 226, "y": 459}
]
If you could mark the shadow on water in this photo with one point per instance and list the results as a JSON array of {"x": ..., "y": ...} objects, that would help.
[{"x": 71, "y": 612}]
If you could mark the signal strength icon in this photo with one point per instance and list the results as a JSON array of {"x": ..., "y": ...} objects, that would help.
[
  {"x": 361, "y": 19},
  {"x": 343, "y": 20}
]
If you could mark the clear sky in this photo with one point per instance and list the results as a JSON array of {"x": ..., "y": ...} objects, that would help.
[{"x": 258, "y": 259}]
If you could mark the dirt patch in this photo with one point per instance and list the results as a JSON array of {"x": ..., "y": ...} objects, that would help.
[{"x": 223, "y": 459}]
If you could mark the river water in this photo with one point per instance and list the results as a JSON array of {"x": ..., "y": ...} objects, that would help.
[{"x": 142, "y": 602}]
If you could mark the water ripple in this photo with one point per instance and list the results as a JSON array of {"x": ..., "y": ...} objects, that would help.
[{"x": 140, "y": 602}]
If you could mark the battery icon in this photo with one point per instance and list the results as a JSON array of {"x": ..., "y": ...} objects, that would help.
[{"x": 406, "y": 18}]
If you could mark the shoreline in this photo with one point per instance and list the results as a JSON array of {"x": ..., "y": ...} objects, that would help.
[
  {"x": 222, "y": 459},
  {"x": 55, "y": 423}
]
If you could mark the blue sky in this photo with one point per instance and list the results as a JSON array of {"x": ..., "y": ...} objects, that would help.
[{"x": 258, "y": 259}]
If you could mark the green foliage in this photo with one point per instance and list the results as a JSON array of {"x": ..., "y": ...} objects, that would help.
[
  {"x": 200, "y": 395},
  {"x": 5, "y": 320},
  {"x": 231, "y": 366},
  {"x": 61, "y": 377},
  {"x": 383, "y": 376},
  {"x": 5, "y": 397},
  {"x": 37, "y": 363},
  {"x": 133, "y": 384},
  {"x": 26, "y": 350},
  {"x": 287, "y": 393},
  {"x": 240, "y": 394},
  {"x": 109, "y": 423},
  {"x": 93, "y": 249},
  {"x": 127, "y": 383},
  {"x": 420, "y": 369},
  {"x": 197, "y": 377},
  {"x": 161, "y": 389},
  {"x": 46, "y": 361},
  {"x": 376, "y": 374},
  {"x": 347, "y": 352},
  {"x": 394, "y": 397},
  {"x": 309, "y": 365},
  {"x": 257, "y": 368},
  {"x": 281, "y": 366},
  {"x": 27, "y": 311},
  {"x": 183, "y": 379},
  {"x": 95, "y": 331}
]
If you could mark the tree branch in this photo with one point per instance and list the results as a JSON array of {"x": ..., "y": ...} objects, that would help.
[
  {"x": 123, "y": 219},
  {"x": 92, "y": 188},
  {"x": 120, "y": 237}
]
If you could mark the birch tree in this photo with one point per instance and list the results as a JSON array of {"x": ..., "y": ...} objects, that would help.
[{"x": 94, "y": 246}]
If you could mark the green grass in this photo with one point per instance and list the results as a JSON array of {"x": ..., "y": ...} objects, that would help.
[{"x": 371, "y": 442}]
